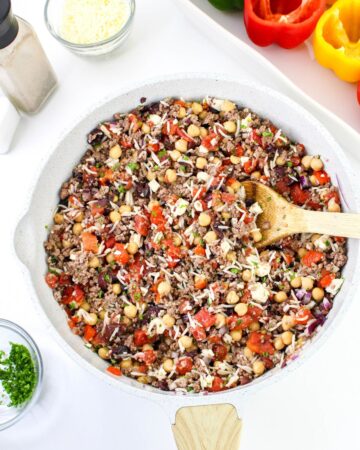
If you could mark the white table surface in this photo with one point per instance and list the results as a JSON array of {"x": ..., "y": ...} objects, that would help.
[{"x": 314, "y": 408}]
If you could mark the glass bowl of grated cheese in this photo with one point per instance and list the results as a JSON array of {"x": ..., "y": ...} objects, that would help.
[{"x": 90, "y": 27}]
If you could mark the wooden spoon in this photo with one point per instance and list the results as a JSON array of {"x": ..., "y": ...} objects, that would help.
[{"x": 280, "y": 218}]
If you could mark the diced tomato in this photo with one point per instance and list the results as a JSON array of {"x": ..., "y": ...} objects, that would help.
[
  {"x": 154, "y": 147},
  {"x": 267, "y": 362},
  {"x": 205, "y": 318},
  {"x": 282, "y": 187},
  {"x": 256, "y": 137},
  {"x": 211, "y": 141},
  {"x": 52, "y": 280},
  {"x": 184, "y": 365},
  {"x": 110, "y": 242},
  {"x": 239, "y": 151},
  {"x": 142, "y": 225},
  {"x": 215, "y": 339},
  {"x": 298, "y": 195},
  {"x": 246, "y": 295},
  {"x": 126, "y": 142},
  {"x": 73, "y": 294},
  {"x": 172, "y": 251},
  {"x": 199, "y": 193},
  {"x": 181, "y": 133},
  {"x": 199, "y": 333},
  {"x": 220, "y": 352},
  {"x": 200, "y": 283},
  {"x": 107, "y": 176},
  {"x": 230, "y": 181},
  {"x": 333, "y": 194},
  {"x": 288, "y": 258},
  {"x": 89, "y": 332},
  {"x": 185, "y": 307},
  {"x": 260, "y": 343},
  {"x": 140, "y": 338},
  {"x": 90, "y": 242},
  {"x": 120, "y": 254},
  {"x": 237, "y": 323},
  {"x": 255, "y": 312},
  {"x": 228, "y": 198},
  {"x": 303, "y": 316},
  {"x": 96, "y": 209},
  {"x": 114, "y": 371},
  {"x": 295, "y": 160},
  {"x": 217, "y": 385},
  {"x": 311, "y": 257},
  {"x": 98, "y": 339},
  {"x": 169, "y": 128},
  {"x": 250, "y": 166},
  {"x": 180, "y": 103},
  {"x": 321, "y": 176},
  {"x": 142, "y": 368},
  {"x": 64, "y": 279},
  {"x": 157, "y": 218},
  {"x": 326, "y": 279},
  {"x": 199, "y": 250},
  {"x": 149, "y": 357}
]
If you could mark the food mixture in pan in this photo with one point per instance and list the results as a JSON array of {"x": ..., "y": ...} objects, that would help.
[{"x": 153, "y": 255}]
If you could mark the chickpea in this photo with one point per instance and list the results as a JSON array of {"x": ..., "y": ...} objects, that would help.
[
  {"x": 145, "y": 128},
  {"x": 114, "y": 216},
  {"x": 230, "y": 126},
  {"x": 333, "y": 206},
  {"x": 193, "y": 130},
  {"x": 168, "y": 321},
  {"x": 235, "y": 159},
  {"x": 315, "y": 237},
  {"x": 124, "y": 209},
  {"x": 306, "y": 161},
  {"x": 256, "y": 235},
  {"x": 181, "y": 145},
  {"x": 94, "y": 262},
  {"x": 58, "y": 219},
  {"x": 280, "y": 296},
  {"x": 126, "y": 364},
  {"x": 186, "y": 341},
  {"x": 226, "y": 215},
  {"x": 232, "y": 298},
  {"x": 109, "y": 258},
  {"x": 177, "y": 240},
  {"x": 182, "y": 112},
  {"x": 152, "y": 204},
  {"x": 241, "y": 309},
  {"x": 164, "y": 288},
  {"x": 77, "y": 229},
  {"x": 307, "y": 283},
  {"x": 204, "y": 219},
  {"x": 254, "y": 326},
  {"x": 220, "y": 320},
  {"x": 280, "y": 161},
  {"x": 295, "y": 282},
  {"x": 231, "y": 256},
  {"x": 125, "y": 320},
  {"x": 236, "y": 185},
  {"x": 170, "y": 176},
  {"x": 316, "y": 164},
  {"x": 147, "y": 347},
  {"x": 236, "y": 335},
  {"x": 301, "y": 252},
  {"x": 227, "y": 106},
  {"x": 318, "y": 294},
  {"x": 115, "y": 152},
  {"x": 102, "y": 314},
  {"x": 210, "y": 237},
  {"x": 287, "y": 322},
  {"x": 79, "y": 217},
  {"x": 85, "y": 306},
  {"x": 66, "y": 243},
  {"x": 287, "y": 337},
  {"x": 203, "y": 132},
  {"x": 246, "y": 275},
  {"x": 132, "y": 248},
  {"x": 168, "y": 365},
  {"x": 313, "y": 180},
  {"x": 103, "y": 352},
  {"x": 116, "y": 288},
  {"x": 116, "y": 198},
  {"x": 248, "y": 353},
  {"x": 174, "y": 155},
  {"x": 196, "y": 108},
  {"x": 91, "y": 319},
  {"x": 130, "y": 311},
  {"x": 201, "y": 162},
  {"x": 143, "y": 379},
  {"x": 150, "y": 175},
  {"x": 258, "y": 367},
  {"x": 279, "y": 343},
  {"x": 256, "y": 175}
]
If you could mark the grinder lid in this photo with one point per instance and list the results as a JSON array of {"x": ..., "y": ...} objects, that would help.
[{"x": 9, "y": 26}]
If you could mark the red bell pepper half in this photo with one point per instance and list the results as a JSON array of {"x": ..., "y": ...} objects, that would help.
[{"x": 287, "y": 23}]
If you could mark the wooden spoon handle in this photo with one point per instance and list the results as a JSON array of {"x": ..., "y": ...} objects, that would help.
[
  {"x": 333, "y": 224},
  {"x": 211, "y": 427}
]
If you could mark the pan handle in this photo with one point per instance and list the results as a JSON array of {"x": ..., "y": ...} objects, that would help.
[{"x": 209, "y": 427}]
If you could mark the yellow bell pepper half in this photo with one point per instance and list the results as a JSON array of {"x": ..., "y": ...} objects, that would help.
[{"x": 337, "y": 39}]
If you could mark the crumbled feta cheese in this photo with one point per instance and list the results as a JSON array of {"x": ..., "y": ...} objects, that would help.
[
  {"x": 216, "y": 103},
  {"x": 261, "y": 268},
  {"x": 207, "y": 353},
  {"x": 198, "y": 205},
  {"x": 155, "y": 119},
  {"x": 227, "y": 338},
  {"x": 181, "y": 207},
  {"x": 255, "y": 208},
  {"x": 335, "y": 286},
  {"x": 232, "y": 380},
  {"x": 323, "y": 242},
  {"x": 245, "y": 123},
  {"x": 158, "y": 325},
  {"x": 259, "y": 292},
  {"x": 225, "y": 246},
  {"x": 203, "y": 150},
  {"x": 206, "y": 381},
  {"x": 154, "y": 185},
  {"x": 203, "y": 176}
]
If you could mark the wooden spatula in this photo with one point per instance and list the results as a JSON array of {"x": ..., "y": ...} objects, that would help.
[{"x": 281, "y": 218}]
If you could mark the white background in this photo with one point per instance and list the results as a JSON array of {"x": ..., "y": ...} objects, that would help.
[{"x": 315, "y": 408}]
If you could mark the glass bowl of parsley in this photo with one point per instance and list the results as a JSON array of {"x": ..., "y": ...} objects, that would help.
[{"x": 21, "y": 371}]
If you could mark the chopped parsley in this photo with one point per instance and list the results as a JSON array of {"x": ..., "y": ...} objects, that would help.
[
  {"x": 17, "y": 374},
  {"x": 182, "y": 168},
  {"x": 133, "y": 166},
  {"x": 267, "y": 134},
  {"x": 162, "y": 153},
  {"x": 121, "y": 189},
  {"x": 289, "y": 164},
  {"x": 235, "y": 271}
]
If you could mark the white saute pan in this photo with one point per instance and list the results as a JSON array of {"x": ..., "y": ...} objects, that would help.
[{"x": 200, "y": 419}]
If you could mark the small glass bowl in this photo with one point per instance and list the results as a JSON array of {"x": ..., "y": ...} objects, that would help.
[
  {"x": 10, "y": 332},
  {"x": 53, "y": 17}
]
